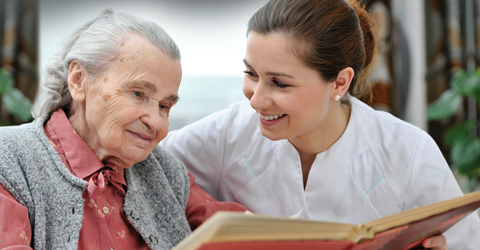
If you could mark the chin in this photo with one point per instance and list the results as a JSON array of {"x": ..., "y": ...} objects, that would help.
[
  {"x": 134, "y": 156},
  {"x": 138, "y": 159},
  {"x": 271, "y": 135}
]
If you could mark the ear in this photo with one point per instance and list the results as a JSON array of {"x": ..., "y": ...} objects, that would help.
[
  {"x": 343, "y": 81},
  {"x": 76, "y": 81}
]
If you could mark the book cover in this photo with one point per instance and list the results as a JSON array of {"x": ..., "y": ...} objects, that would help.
[{"x": 404, "y": 230}]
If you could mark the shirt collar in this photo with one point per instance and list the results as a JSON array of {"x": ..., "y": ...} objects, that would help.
[{"x": 82, "y": 161}]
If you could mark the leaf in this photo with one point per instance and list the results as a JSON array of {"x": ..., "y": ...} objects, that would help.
[
  {"x": 460, "y": 73},
  {"x": 471, "y": 169},
  {"x": 465, "y": 83},
  {"x": 465, "y": 152},
  {"x": 6, "y": 81},
  {"x": 17, "y": 104},
  {"x": 445, "y": 106},
  {"x": 458, "y": 132},
  {"x": 476, "y": 95}
]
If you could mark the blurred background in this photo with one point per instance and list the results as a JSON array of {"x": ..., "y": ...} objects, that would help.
[{"x": 426, "y": 72}]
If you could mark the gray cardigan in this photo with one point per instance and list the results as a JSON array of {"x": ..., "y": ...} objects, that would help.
[{"x": 32, "y": 171}]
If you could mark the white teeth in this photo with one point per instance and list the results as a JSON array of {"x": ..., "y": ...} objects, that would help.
[{"x": 272, "y": 117}]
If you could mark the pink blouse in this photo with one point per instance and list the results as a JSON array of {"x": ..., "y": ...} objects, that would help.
[{"x": 104, "y": 225}]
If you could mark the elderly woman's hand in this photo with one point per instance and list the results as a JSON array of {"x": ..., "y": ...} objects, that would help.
[{"x": 436, "y": 243}]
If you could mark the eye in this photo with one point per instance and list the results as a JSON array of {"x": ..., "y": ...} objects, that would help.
[
  {"x": 137, "y": 93},
  {"x": 280, "y": 85},
  {"x": 164, "y": 107},
  {"x": 249, "y": 73}
]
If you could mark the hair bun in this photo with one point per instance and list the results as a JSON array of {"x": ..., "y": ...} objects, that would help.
[{"x": 367, "y": 25}]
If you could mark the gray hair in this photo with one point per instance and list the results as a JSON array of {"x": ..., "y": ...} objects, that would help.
[{"x": 93, "y": 45}]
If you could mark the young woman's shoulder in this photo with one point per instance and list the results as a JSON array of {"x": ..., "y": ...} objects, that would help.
[
  {"x": 213, "y": 142},
  {"x": 231, "y": 126},
  {"x": 243, "y": 119},
  {"x": 402, "y": 151},
  {"x": 383, "y": 129}
]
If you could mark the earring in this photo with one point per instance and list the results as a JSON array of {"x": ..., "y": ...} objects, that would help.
[{"x": 337, "y": 98}]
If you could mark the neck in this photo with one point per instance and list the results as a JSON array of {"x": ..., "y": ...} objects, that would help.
[
  {"x": 325, "y": 135},
  {"x": 76, "y": 116},
  {"x": 322, "y": 138}
]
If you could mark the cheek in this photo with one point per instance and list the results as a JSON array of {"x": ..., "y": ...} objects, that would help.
[
  {"x": 317, "y": 109},
  {"x": 162, "y": 133},
  {"x": 247, "y": 88},
  {"x": 117, "y": 112},
  {"x": 305, "y": 104}
]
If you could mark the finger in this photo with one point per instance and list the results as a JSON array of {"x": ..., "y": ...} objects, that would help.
[{"x": 438, "y": 242}]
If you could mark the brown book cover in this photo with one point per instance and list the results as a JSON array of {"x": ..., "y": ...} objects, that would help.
[{"x": 404, "y": 230}]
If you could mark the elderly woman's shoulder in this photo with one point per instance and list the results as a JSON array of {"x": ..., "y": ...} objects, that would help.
[
  {"x": 21, "y": 144},
  {"x": 19, "y": 147},
  {"x": 20, "y": 134},
  {"x": 166, "y": 159}
]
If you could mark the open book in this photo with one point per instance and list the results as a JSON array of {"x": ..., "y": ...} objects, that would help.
[{"x": 404, "y": 230}]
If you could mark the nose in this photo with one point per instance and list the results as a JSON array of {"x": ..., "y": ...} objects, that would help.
[
  {"x": 153, "y": 119},
  {"x": 258, "y": 93}
]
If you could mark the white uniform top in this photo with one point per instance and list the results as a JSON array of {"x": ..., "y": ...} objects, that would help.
[{"x": 379, "y": 166}]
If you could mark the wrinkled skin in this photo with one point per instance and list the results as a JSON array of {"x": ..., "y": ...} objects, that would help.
[{"x": 122, "y": 114}]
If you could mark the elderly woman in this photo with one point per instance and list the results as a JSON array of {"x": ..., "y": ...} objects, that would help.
[{"x": 87, "y": 173}]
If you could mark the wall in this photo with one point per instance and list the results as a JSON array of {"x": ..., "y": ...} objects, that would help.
[{"x": 211, "y": 35}]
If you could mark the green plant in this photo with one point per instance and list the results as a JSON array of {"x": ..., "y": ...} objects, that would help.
[
  {"x": 462, "y": 137},
  {"x": 13, "y": 99}
]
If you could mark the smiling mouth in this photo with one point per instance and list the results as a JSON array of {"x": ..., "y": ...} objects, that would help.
[
  {"x": 142, "y": 136},
  {"x": 272, "y": 117}
]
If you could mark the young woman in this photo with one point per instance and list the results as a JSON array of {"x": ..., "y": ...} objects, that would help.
[{"x": 305, "y": 143}]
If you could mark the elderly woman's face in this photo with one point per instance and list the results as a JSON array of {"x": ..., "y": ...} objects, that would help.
[{"x": 126, "y": 108}]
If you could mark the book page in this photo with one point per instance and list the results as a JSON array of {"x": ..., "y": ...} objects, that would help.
[{"x": 233, "y": 226}]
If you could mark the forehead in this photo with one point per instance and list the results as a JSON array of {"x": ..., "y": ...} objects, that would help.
[
  {"x": 140, "y": 62},
  {"x": 272, "y": 49},
  {"x": 273, "y": 55}
]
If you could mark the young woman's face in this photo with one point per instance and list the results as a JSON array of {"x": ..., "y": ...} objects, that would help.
[{"x": 291, "y": 99}]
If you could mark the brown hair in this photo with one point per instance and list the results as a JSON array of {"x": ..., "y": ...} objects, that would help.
[{"x": 327, "y": 35}]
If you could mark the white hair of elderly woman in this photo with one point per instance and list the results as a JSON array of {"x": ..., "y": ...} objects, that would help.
[{"x": 93, "y": 45}]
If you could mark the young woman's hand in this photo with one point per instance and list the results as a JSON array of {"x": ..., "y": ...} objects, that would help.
[{"x": 436, "y": 243}]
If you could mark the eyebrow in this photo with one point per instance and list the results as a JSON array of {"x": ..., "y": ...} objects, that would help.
[
  {"x": 269, "y": 73},
  {"x": 174, "y": 98},
  {"x": 148, "y": 85},
  {"x": 143, "y": 84}
]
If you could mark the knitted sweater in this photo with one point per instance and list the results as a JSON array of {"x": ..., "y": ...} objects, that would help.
[{"x": 32, "y": 171}]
